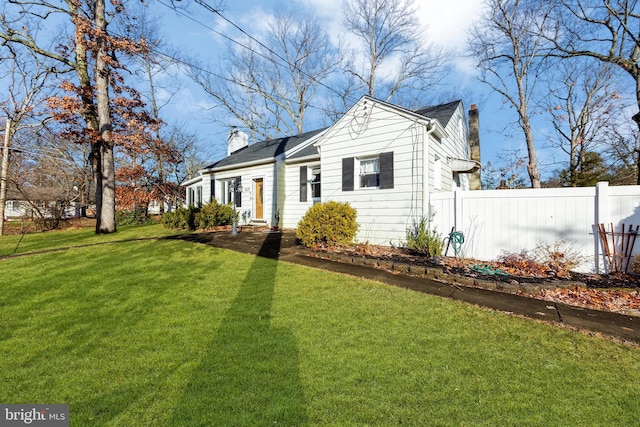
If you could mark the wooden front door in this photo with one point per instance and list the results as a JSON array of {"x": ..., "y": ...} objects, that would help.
[{"x": 259, "y": 192}]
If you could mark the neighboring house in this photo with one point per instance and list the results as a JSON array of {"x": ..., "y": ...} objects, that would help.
[
  {"x": 41, "y": 203},
  {"x": 382, "y": 159}
]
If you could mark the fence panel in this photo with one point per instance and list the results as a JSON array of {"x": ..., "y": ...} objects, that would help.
[{"x": 494, "y": 221}]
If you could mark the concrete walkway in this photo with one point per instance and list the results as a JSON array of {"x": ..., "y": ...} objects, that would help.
[{"x": 278, "y": 246}]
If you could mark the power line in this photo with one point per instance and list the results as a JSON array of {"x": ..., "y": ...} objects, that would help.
[{"x": 249, "y": 48}]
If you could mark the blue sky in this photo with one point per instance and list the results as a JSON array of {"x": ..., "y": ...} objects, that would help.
[{"x": 446, "y": 23}]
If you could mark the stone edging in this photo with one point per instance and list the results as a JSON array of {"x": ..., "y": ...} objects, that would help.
[{"x": 439, "y": 274}]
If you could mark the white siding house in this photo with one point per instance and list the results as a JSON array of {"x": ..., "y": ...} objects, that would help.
[
  {"x": 382, "y": 159},
  {"x": 253, "y": 177}
]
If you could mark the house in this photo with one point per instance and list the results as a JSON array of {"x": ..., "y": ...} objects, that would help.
[
  {"x": 381, "y": 158},
  {"x": 40, "y": 202}
]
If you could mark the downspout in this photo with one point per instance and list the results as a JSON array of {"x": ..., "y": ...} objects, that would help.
[{"x": 426, "y": 199}]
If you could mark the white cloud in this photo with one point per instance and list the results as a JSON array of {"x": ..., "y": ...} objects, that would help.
[{"x": 447, "y": 22}]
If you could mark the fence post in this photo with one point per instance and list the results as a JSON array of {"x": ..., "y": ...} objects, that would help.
[{"x": 601, "y": 217}]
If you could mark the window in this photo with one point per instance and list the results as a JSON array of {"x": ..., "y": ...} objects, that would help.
[
  {"x": 315, "y": 182},
  {"x": 227, "y": 192},
  {"x": 309, "y": 176},
  {"x": 437, "y": 173},
  {"x": 370, "y": 172},
  {"x": 231, "y": 190},
  {"x": 199, "y": 195},
  {"x": 190, "y": 196}
]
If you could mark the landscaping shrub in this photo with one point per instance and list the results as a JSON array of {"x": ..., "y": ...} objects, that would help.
[
  {"x": 182, "y": 218},
  {"x": 559, "y": 257},
  {"x": 330, "y": 223},
  {"x": 214, "y": 214},
  {"x": 635, "y": 265},
  {"x": 521, "y": 263},
  {"x": 132, "y": 217},
  {"x": 424, "y": 239}
]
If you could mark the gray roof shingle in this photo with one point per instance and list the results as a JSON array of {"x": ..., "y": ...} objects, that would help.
[
  {"x": 441, "y": 113},
  {"x": 271, "y": 148},
  {"x": 264, "y": 150}
]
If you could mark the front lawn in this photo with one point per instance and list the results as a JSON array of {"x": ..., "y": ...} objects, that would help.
[{"x": 171, "y": 333}]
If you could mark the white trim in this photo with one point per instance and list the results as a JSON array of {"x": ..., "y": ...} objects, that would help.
[
  {"x": 306, "y": 159},
  {"x": 238, "y": 166},
  {"x": 191, "y": 181}
]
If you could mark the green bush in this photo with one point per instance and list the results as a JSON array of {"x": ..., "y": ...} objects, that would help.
[
  {"x": 135, "y": 217},
  {"x": 182, "y": 218},
  {"x": 329, "y": 223},
  {"x": 214, "y": 214},
  {"x": 423, "y": 239}
]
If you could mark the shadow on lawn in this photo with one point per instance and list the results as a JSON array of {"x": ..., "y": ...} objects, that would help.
[{"x": 249, "y": 375}]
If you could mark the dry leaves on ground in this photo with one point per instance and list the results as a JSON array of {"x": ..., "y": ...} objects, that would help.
[{"x": 616, "y": 301}]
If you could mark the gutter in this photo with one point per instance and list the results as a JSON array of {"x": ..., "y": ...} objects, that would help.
[
  {"x": 302, "y": 159},
  {"x": 239, "y": 165}
]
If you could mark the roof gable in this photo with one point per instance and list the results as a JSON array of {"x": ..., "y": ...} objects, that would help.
[
  {"x": 438, "y": 115},
  {"x": 442, "y": 113}
]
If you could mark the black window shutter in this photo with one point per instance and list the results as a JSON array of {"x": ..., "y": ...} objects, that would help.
[
  {"x": 347, "y": 174},
  {"x": 303, "y": 183},
  {"x": 238, "y": 194},
  {"x": 386, "y": 170},
  {"x": 213, "y": 190}
]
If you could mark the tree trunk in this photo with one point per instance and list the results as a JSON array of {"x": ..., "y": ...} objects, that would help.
[
  {"x": 5, "y": 172},
  {"x": 636, "y": 118},
  {"x": 532, "y": 166},
  {"x": 107, "y": 209}
]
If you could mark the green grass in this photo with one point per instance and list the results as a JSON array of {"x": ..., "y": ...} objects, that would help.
[
  {"x": 169, "y": 333},
  {"x": 16, "y": 243}
]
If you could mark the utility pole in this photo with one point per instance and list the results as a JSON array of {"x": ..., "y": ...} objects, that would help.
[{"x": 5, "y": 172}]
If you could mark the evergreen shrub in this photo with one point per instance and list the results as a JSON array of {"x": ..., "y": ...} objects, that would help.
[
  {"x": 423, "y": 239},
  {"x": 329, "y": 223},
  {"x": 182, "y": 218},
  {"x": 214, "y": 214},
  {"x": 132, "y": 217}
]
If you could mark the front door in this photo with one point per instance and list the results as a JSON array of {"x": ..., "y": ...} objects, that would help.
[{"x": 259, "y": 186}]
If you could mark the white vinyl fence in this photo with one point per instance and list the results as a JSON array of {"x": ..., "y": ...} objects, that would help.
[{"x": 494, "y": 221}]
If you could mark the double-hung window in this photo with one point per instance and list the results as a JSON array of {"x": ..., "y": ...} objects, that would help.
[
  {"x": 370, "y": 172},
  {"x": 231, "y": 190},
  {"x": 227, "y": 192},
  {"x": 315, "y": 182}
]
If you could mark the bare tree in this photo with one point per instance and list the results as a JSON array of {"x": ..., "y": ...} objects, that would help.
[
  {"x": 622, "y": 149},
  {"x": 510, "y": 50},
  {"x": 49, "y": 175},
  {"x": 92, "y": 56},
  {"x": 268, "y": 87},
  {"x": 582, "y": 103},
  {"x": 25, "y": 80},
  {"x": 604, "y": 30},
  {"x": 156, "y": 69},
  {"x": 392, "y": 61}
]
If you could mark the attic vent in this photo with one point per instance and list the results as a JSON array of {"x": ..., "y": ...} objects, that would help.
[{"x": 237, "y": 141}]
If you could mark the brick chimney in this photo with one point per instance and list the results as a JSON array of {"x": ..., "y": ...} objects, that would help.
[{"x": 474, "y": 145}]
